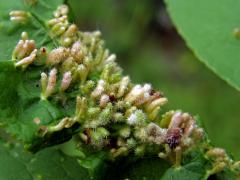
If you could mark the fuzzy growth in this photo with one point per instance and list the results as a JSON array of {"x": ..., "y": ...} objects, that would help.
[{"x": 114, "y": 113}]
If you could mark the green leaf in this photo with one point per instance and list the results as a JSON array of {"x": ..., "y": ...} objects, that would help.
[
  {"x": 193, "y": 167},
  {"x": 21, "y": 105},
  {"x": 145, "y": 168},
  {"x": 207, "y": 26},
  {"x": 95, "y": 163},
  {"x": 50, "y": 163},
  {"x": 183, "y": 173}
]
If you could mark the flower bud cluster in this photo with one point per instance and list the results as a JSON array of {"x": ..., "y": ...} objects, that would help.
[
  {"x": 147, "y": 97},
  {"x": 220, "y": 161},
  {"x": 61, "y": 28},
  {"x": 113, "y": 113},
  {"x": 25, "y": 51},
  {"x": 109, "y": 106}
]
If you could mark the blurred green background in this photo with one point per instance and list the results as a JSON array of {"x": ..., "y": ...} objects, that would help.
[{"x": 150, "y": 50}]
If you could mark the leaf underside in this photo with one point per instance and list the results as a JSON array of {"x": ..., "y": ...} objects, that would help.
[{"x": 207, "y": 27}]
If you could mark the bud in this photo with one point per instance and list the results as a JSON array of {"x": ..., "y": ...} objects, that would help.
[
  {"x": 64, "y": 123},
  {"x": 24, "y": 47},
  {"x": 125, "y": 132},
  {"x": 107, "y": 72},
  {"x": 61, "y": 10},
  {"x": 216, "y": 153},
  {"x": 25, "y": 62},
  {"x": 104, "y": 100},
  {"x": 71, "y": 31},
  {"x": 66, "y": 81},
  {"x": 57, "y": 55},
  {"x": 116, "y": 76},
  {"x": 105, "y": 115},
  {"x": 141, "y": 134},
  {"x": 56, "y": 14},
  {"x": 156, "y": 103},
  {"x": 176, "y": 120},
  {"x": 97, "y": 34},
  {"x": 66, "y": 41},
  {"x": 19, "y": 16},
  {"x": 93, "y": 112},
  {"x": 52, "y": 22},
  {"x": 130, "y": 110},
  {"x": 69, "y": 65},
  {"x": 99, "y": 89},
  {"x": 17, "y": 50},
  {"x": 123, "y": 86},
  {"x": 24, "y": 36},
  {"x": 99, "y": 55},
  {"x": 118, "y": 117},
  {"x": 88, "y": 61},
  {"x": 81, "y": 107},
  {"x": 134, "y": 93},
  {"x": 28, "y": 47},
  {"x": 98, "y": 136},
  {"x": 44, "y": 81},
  {"x": 236, "y": 166},
  {"x": 137, "y": 118},
  {"x": 69, "y": 36},
  {"x": 189, "y": 127},
  {"x": 154, "y": 114},
  {"x": 58, "y": 29},
  {"x": 83, "y": 72},
  {"x": 90, "y": 37},
  {"x": 87, "y": 87},
  {"x": 93, "y": 124},
  {"x": 166, "y": 118},
  {"x": 111, "y": 59},
  {"x": 62, "y": 19},
  {"x": 144, "y": 98},
  {"x": 77, "y": 51},
  {"x": 49, "y": 89}
]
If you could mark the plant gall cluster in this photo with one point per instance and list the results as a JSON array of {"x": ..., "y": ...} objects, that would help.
[{"x": 114, "y": 114}]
